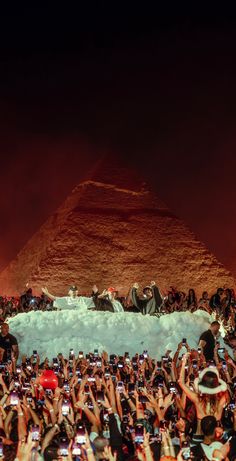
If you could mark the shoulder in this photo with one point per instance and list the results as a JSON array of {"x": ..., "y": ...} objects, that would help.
[
  {"x": 205, "y": 334},
  {"x": 12, "y": 339}
]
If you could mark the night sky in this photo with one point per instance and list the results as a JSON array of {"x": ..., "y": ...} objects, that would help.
[{"x": 152, "y": 86}]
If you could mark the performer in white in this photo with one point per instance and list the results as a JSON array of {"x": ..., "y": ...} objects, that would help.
[{"x": 72, "y": 301}]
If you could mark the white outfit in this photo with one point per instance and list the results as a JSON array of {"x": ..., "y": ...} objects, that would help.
[{"x": 79, "y": 302}]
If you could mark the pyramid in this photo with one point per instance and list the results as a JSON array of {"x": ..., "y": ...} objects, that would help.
[{"x": 113, "y": 230}]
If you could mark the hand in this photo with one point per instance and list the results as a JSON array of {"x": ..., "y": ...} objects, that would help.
[
  {"x": 152, "y": 284},
  {"x": 45, "y": 291},
  {"x": 108, "y": 454},
  {"x": 136, "y": 285},
  {"x": 95, "y": 289}
]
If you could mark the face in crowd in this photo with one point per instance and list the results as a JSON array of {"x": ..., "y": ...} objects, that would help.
[
  {"x": 73, "y": 293},
  {"x": 4, "y": 329},
  {"x": 148, "y": 292}
]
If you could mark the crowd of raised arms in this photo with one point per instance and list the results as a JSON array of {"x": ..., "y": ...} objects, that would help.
[{"x": 91, "y": 406}]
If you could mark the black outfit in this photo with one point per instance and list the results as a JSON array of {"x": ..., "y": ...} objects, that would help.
[
  {"x": 215, "y": 302},
  {"x": 115, "y": 437},
  {"x": 147, "y": 305},
  {"x": 6, "y": 343},
  {"x": 209, "y": 347},
  {"x": 102, "y": 304}
]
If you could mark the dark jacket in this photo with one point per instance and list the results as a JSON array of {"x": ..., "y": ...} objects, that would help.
[
  {"x": 102, "y": 304},
  {"x": 145, "y": 305}
]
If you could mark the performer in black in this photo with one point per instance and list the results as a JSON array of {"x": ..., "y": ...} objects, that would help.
[{"x": 151, "y": 301}]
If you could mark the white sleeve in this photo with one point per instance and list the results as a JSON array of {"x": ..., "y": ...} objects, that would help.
[
  {"x": 60, "y": 303},
  {"x": 88, "y": 302}
]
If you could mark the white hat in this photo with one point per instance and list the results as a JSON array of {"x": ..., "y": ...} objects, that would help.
[{"x": 209, "y": 382}]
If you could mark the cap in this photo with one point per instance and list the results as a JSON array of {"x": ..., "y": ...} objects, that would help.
[
  {"x": 147, "y": 288},
  {"x": 111, "y": 289}
]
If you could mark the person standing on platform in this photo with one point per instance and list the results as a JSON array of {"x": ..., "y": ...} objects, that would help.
[
  {"x": 72, "y": 301},
  {"x": 151, "y": 301}
]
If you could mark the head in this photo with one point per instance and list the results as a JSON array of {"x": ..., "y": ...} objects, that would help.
[
  {"x": 208, "y": 427},
  {"x": 204, "y": 295},
  {"x": 73, "y": 291},
  {"x": 220, "y": 291},
  {"x": 215, "y": 328},
  {"x": 111, "y": 293},
  {"x": 147, "y": 291},
  {"x": 4, "y": 329},
  {"x": 99, "y": 444}
]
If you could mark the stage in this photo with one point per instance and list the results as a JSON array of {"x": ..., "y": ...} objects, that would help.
[{"x": 58, "y": 331}]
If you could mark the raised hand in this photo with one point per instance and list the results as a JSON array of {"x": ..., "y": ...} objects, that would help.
[{"x": 136, "y": 285}]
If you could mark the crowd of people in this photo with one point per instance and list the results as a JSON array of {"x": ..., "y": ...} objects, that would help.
[
  {"x": 148, "y": 300},
  {"x": 99, "y": 407},
  {"x": 94, "y": 407}
]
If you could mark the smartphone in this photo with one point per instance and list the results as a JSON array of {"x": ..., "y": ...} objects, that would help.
[
  {"x": 100, "y": 396},
  {"x": 141, "y": 358},
  {"x": 186, "y": 453},
  {"x": 86, "y": 389},
  {"x": 142, "y": 398},
  {"x": 224, "y": 365},
  {"x": 172, "y": 387},
  {"x": 76, "y": 450},
  {"x": 48, "y": 392},
  {"x": 35, "y": 433},
  {"x": 131, "y": 388},
  {"x": 106, "y": 416},
  {"x": 96, "y": 352},
  {"x": 164, "y": 359},
  {"x": 65, "y": 408},
  {"x": 120, "y": 386},
  {"x": 135, "y": 367},
  {"x": 199, "y": 350},
  {"x": 221, "y": 350},
  {"x": 63, "y": 449},
  {"x": 163, "y": 424},
  {"x": 18, "y": 370},
  {"x": 71, "y": 352},
  {"x": 184, "y": 341},
  {"x": 80, "y": 435},
  {"x": 125, "y": 419},
  {"x": 29, "y": 398},
  {"x": 145, "y": 354},
  {"x": 35, "y": 353},
  {"x": 81, "y": 354},
  {"x": 1, "y": 450},
  {"x": 120, "y": 364},
  {"x": 66, "y": 386},
  {"x": 138, "y": 434},
  {"x": 194, "y": 363},
  {"x": 157, "y": 434},
  {"x": 232, "y": 406},
  {"x": 14, "y": 398}
]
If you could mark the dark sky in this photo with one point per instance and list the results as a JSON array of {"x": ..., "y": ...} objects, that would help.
[{"x": 154, "y": 86}]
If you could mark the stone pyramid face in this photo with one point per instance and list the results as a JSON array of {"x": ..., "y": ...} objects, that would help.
[{"x": 112, "y": 231}]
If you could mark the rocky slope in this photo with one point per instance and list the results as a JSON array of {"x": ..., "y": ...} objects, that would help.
[{"x": 112, "y": 230}]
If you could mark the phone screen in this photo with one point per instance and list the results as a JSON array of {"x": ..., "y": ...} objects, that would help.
[
  {"x": 138, "y": 434},
  {"x": 80, "y": 436}
]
